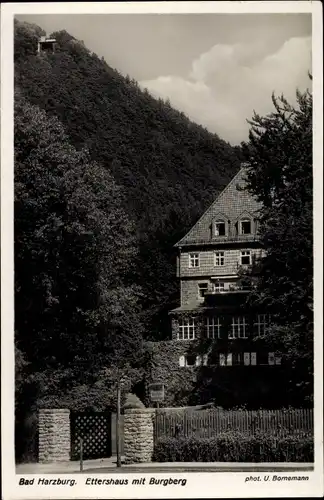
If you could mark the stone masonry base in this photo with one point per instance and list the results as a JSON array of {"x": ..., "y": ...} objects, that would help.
[
  {"x": 54, "y": 435},
  {"x": 138, "y": 435}
]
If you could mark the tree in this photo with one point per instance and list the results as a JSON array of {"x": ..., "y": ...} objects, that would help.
[
  {"x": 77, "y": 310},
  {"x": 279, "y": 156}
]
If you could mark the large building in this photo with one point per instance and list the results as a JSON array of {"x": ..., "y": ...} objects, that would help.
[
  {"x": 217, "y": 352},
  {"x": 213, "y": 258}
]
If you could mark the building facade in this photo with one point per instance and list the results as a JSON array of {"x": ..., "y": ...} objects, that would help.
[
  {"x": 211, "y": 266},
  {"x": 218, "y": 351}
]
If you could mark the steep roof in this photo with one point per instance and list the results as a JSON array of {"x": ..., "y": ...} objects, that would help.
[{"x": 231, "y": 204}]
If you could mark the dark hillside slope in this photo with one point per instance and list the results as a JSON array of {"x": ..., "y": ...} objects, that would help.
[
  {"x": 164, "y": 160},
  {"x": 171, "y": 169}
]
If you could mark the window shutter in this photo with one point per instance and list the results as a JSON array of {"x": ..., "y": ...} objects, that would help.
[
  {"x": 198, "y": 360},
  {"x": 229, "y": 359},
  {"x": 246, "y": 358},
  {"x": 271, "y": 358},
  {"x": 205, "y": 359},
  {"x": 253, "y": 358},
  {"x": 182, "y": 361}
]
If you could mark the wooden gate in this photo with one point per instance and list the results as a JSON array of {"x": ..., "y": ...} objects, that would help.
[{"x": 95, "y": 431}]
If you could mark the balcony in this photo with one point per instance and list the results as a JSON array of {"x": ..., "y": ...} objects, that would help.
[
  {"x": 231, "y": 289},
  {"x": 231, "y": 297},
  {"x": 223, "y": 240}
]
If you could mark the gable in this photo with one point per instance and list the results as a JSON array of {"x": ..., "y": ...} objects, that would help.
[{"x": 232, "y": 203}]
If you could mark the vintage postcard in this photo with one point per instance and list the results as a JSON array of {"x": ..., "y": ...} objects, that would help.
[{"x": 162, "y": 249}]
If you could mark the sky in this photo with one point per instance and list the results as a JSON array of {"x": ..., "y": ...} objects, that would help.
[{"x": 216, "y": 68}]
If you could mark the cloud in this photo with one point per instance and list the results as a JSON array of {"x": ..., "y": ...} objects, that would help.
[{"x": 228, "y": 82}]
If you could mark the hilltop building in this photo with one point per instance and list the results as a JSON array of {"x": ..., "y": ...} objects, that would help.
[{"x": 46, "y": 45}]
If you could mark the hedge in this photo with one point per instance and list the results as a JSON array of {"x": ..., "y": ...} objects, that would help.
[{"x": 235, "y": 447}]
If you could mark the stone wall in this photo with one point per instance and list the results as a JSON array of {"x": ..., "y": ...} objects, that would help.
[
  {"x": 138, "y": 435},
  {"x": 54, "y": 435}
]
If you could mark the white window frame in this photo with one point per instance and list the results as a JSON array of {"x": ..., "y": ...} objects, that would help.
[
  {"x": 219, "y": 287},
  {"x": 225, "y": 359},
  {"x": 241, "y": 225},
  {"x": 198, "y": 360},
  {"x": 213, "y": 327},
  {"x": 271, "y": 358},
  {"x": 194, "y": 260},
  {"x": 250, "y": 358},
  {"x": 182, "y": 361},
  {"x": 219, "y": 259},
  {"x": 245, "y": 253},
  {"x": 202, "y": 287},
  {"x": 238, "y": 328},
  {"x": 263, "y": 321},
  {"x": 186, "y": 330},
  {"x": 216, "y": 232}
]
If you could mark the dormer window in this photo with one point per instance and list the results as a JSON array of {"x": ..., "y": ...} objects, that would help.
[
  {"x": 220, "y": 228},
  {"x": 245, "y": 226}
]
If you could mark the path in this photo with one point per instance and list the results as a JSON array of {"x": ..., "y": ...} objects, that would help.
[{"x": 108, "y": 465}]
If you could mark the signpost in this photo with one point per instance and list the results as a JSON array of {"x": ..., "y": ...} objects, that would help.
[{"x": 156, "y": 393}]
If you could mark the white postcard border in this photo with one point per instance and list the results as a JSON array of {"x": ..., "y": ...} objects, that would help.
[{"x": 209, "y": 484}]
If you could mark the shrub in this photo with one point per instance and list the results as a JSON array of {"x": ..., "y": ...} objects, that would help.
[
  {"x": 235, "y": 447},
  {"x": 132, "y": 401}
]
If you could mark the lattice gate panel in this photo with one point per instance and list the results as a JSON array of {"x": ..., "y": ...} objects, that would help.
[{"x": 95, "y": 431}]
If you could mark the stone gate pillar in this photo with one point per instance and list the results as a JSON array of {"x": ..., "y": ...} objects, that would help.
[
  {"x": 138, "y": 435},
  {"x": 54, "y": 435}
]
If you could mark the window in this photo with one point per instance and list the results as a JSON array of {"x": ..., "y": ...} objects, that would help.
[
  {"x": 219, "y": 258},
  {"x": 190, "y": 360},
  {"x": 226, "y": 359},
  {"x": 249, "y": 358},
  {"x": 246, "y": 226},
  {"x": 237, "y": 358},
  {"x": 198, "y": 360},
  {"x": 245, "y": 257},
  {"x": 202, "y": 290},
  {"x": 263, "y": 321},
  {"x": 238, "y": 328},
  {"x": 205, "y": 359},
  {"x": 219, "y": 287},
  {"x": 186, "y": 329},
  {"x": 274, "y": 359},
  {"x": 213, "y": 327},
  {"x": 194, "y": 260},
  {"x": 220, "y": 228}
]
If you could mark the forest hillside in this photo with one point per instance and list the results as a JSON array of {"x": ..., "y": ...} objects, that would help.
[{"x": 169, "y": 168}]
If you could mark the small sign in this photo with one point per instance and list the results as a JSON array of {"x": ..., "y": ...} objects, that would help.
[{"x": 156, "y": 392}]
